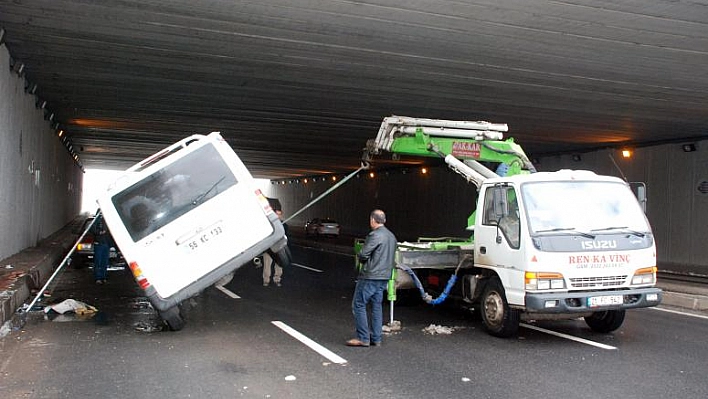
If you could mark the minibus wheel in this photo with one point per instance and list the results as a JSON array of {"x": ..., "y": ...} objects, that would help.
[{"x": 173, "y": 318}]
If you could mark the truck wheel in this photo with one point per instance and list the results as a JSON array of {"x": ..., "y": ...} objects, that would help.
[
  {"x": 604, "y": 322},
  {"x": 173, "y": 318},
  {"x": 498, "y": 318}
]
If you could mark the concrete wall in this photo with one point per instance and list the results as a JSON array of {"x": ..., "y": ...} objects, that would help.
[
  {"x": 438, "y": 204},
  {"x": 40, "y": 185}
]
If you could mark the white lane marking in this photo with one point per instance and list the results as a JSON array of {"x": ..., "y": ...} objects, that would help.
[
  {"x": 331, "y": 356},
  {"x": 227, "y": 291},
  {"x": 570, "y": 337},
  {"x": 681, "y": 313},
  {"x": 307, "y": 267}
]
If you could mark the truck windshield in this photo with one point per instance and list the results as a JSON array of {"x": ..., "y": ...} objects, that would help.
[
  {"x": 174, "y": 190},
  {"x": 586, "y": 206}
]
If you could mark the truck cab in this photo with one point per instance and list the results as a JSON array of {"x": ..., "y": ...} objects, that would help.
[{"x": 567, "y": 243}]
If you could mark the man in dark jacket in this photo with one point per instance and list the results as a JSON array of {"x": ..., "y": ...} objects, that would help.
[
  {"x": 377, "y": 256},
  {"x": 102, "y": 242}
]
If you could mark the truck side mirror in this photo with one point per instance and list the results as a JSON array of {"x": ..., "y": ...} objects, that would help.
[
  {"x": 640, "y": 191},
  {"x": 500, "y": 201}
]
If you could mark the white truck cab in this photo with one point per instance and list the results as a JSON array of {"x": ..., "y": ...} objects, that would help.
[
  {"x": 565, "y": 243},
  {"x": 187, "y": 216}
]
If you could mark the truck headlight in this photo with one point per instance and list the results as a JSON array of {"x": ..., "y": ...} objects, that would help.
[
  {"x": 644, "y": 276},
  {"x": 544, "y": 281}
]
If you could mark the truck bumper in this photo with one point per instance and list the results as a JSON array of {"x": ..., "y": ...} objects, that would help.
[{"x": 581, "y": 302}]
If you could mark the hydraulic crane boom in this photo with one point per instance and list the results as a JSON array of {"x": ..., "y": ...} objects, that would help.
[{"x": 462, "y": 144}]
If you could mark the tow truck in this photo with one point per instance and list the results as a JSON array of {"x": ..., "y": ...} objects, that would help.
[{"x": 543, "y": 245}]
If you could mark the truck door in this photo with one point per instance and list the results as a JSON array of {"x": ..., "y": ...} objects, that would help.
[{"x": 498, "y": 238}]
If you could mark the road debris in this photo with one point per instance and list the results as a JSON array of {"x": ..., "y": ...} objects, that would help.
[
  {"x": 146, "y": 327},
  {"x": 392, "y": 327},
  {"x": 434, "y": 329}
]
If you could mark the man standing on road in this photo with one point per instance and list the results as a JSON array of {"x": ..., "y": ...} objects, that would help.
[
  {"x": 102, "y": 242},
  {"x": 270, "y": 266},
  {"x": 377, "y": 258}
]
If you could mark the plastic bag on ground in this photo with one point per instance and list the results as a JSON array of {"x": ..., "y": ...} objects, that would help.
[{"x": 71, "y": 305}]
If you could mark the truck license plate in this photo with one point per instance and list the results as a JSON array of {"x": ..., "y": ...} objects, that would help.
[{"x": 608, "y": 300}]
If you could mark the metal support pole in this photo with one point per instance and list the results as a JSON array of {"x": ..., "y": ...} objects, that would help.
[
  {"x": 363, "y": 167},
  {"x": 390, "y": 319},
  {"x": 63, "y": 262}
]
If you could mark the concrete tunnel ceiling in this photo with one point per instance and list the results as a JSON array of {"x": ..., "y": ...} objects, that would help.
[{"x": 298, "y": 86}]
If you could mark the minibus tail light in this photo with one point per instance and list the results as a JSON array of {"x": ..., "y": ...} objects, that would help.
[{"x": 138, "y": 274}]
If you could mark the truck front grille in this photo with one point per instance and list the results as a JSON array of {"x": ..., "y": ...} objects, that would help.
[{"x": 597, "y": 282}]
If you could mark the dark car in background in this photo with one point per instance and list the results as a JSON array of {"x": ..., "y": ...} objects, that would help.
[
  {"x": 83, "y": 253},
  {"x": 322, "y": 227}
]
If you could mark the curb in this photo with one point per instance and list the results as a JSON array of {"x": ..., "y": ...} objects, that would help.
[
  {"x": 685, "y": 301},
  {"x": 32, "y": 268}
]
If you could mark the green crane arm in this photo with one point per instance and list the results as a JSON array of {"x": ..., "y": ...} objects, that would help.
[
  {"x": 467, "y": 142},
  {"x": 462, "y": 144}
]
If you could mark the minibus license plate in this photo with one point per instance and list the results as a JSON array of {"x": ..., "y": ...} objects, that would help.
[{"x": 204, "y": 237}]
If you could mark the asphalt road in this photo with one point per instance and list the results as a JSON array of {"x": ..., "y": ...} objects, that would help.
[{"x": 240, "y": 347}]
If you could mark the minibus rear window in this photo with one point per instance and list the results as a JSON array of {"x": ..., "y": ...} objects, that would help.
[{"x": 174, "y": 190}]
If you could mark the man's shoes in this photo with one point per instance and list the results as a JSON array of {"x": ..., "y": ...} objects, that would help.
[
  {"x": 277, "y": 284},
  {"x": 356, "y": 342},
  {"x": 376, "y": 344},
  {"x": 265, "y": 284},
  {"x": 99, "y": 282}
]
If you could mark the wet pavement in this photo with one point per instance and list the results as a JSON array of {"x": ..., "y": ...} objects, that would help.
[
  {"x": 235, "y": 347},
  {"x": 24, "y": 274}
]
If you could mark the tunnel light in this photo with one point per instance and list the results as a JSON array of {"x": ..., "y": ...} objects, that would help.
[
  {"x": 334, "y": 178},
  {"x": 371, "y": 175},
  {"x": 626, "y": 153},
  {"x": 690, "y": 147},
  {"x": 424, "y": 171},
  {"x": 17, "y": 66},
  {"x": 304, "y": 181},
  {"x": 60, "y": 133},
  {"x": 30, "y": 88}
]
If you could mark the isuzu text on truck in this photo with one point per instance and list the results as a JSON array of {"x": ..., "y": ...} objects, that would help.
[{"x": 545, "y": 245}]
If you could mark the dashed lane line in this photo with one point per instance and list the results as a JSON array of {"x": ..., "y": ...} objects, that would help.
[
  {"x": 307, "y": 267},
  {"x": 331, "y": 356},
  {"x": 570, "y": 337},
  {"x": 681, "y": 313},
  {"x": 227, "y": 291}
]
